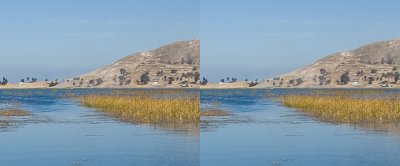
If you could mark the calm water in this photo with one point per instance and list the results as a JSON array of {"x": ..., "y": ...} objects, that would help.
[
  {"x": 259, "y": 132},
  {"x": 262, "y": 132},
  {"x": 62, "y": 132}
]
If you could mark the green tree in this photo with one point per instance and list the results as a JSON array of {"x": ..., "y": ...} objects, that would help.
[
  {"x": 122, "y": 71},
  {"x": 396, "y": 76},
  {"x": 299, "y": 81},
  {"x": 144, "y": 79},
  {"x": 196, "y": 76},
  {"x": 370, "y": 80},
  {"x": 322, "y": 71},
  {"x": 344, "y": 78}
]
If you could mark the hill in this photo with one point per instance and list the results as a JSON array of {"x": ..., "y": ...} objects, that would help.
[
  {"x": 172, "y": 65},
  {"x": 372, "y": 65}
]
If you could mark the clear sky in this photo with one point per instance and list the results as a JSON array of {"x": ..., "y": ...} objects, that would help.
[
  {"x": 264, "y": 38},
  {"x": 239, "y": 38},
  {"x": 64, "y": 38}
]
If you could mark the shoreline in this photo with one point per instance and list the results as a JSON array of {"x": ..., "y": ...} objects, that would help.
[
  {"x": 202, "y": 88},
  {"x": 211, "y": 86}
]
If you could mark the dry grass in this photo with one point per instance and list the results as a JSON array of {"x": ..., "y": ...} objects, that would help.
[
  {"x": 214, "y": 113},
  {"x": 14, "y": 112},
  {"x": 346, "y": 109},
  {"x": 146, "y": 109}
]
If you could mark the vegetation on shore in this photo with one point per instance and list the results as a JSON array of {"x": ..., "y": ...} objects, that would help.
[
  {"x": 346, "y": 109},
  {"x": 147, "y": 109}
]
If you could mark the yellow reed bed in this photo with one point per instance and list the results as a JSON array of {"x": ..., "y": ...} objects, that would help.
[
  {"x": 346, "y": 109},
  {"x": 14, "y": 112},
  {"x": 145, "y": 109}
]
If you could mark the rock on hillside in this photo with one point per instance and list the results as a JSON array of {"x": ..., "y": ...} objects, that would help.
[
  {"x": 173, "y": 65},
  {"x": 372, "y": 65}
]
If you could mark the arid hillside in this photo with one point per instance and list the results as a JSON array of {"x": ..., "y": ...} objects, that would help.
[
  {"x": 372, "y": 65},
  {"x": 173, "y": 65}
]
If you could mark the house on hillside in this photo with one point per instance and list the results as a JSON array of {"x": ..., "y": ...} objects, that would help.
[
  {"x": 356, "y": 84},
  {"x": 155, "y": 84}
]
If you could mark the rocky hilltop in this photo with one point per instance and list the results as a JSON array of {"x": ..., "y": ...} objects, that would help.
[
  {"x": 172, "y": 65},
  {"x": 372, "y": 65}
]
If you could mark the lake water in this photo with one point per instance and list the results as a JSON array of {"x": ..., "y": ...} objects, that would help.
[
  {"x": 62, "y": 132},
  {"x": 259, "y": 132},
  {"x": 262, "y": 132}
]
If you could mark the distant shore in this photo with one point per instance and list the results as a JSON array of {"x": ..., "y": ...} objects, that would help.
[
  {"x": 45, "y": 85},
  {"x": 36, "y": 85},
  {"x": 235, "y": 85}
]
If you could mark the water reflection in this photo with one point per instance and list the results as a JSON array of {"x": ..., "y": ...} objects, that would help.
[
  {"x": 4, "y": 124},
  {"x": 260, "y": 131},
  {"x": 238, "y": 102},
  {"x": 212, "y": 123},
  {"x": 177, "y": 128},
  {"x": 389, "y": 128},
  {"x": 60, "y": 131},
  {"x": 180, "y": 128},
  {"x": 12, "y": 123}
]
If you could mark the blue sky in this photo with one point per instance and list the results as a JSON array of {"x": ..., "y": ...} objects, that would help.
[
  {"x": 243, "y": 39},
  {"x": 63, "y": 38},
  {"x": 264, "y": 38}
]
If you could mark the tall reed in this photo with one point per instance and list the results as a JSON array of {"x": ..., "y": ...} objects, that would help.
[
  {"x": 346, "y": 109},
  {"x": 147, "y": 109}
]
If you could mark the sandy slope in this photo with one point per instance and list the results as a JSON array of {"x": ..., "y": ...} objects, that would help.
[
  {"x": 177, "y": 62},
  {"x": 378, "y": 61},
  {"x": 236, "y": 85},
  {"x": 37, "y": 85}
]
